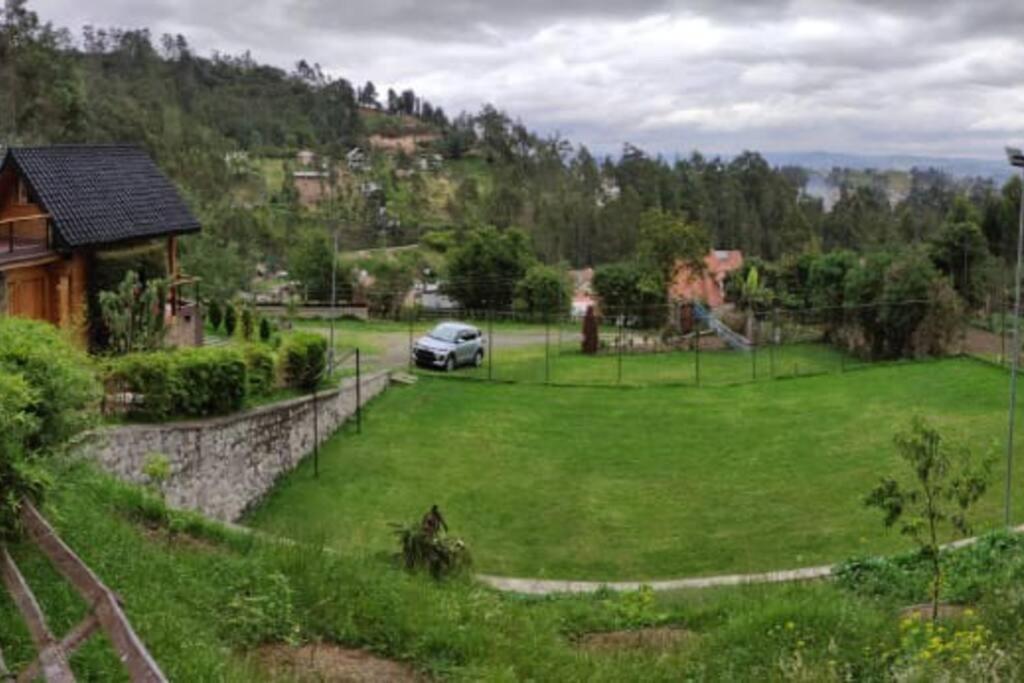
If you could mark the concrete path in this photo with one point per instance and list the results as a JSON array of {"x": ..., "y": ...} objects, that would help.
[{"x": 550, "y": 586}]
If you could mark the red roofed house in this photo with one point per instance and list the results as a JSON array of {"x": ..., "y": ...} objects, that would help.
[{"x": 709, "y": 286}]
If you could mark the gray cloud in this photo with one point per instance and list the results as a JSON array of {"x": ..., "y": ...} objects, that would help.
[{"x": 868, "y": 76}]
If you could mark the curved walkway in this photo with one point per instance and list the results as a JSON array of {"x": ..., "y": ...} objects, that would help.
[{"x": 551, "y": 586}]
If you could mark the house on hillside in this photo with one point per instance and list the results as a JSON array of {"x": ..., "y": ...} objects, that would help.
[
  {"x": 66, "y": 210},
  {"x": 356, "y": 160},
  {"x": 708, "y": 286},
  {"x": 305, "y": 157}
]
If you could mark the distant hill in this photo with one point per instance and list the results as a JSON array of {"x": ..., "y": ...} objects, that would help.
[{"x": 958, "y": 167}]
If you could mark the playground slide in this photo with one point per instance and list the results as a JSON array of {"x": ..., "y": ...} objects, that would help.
[{"x": 734, "y": 340}]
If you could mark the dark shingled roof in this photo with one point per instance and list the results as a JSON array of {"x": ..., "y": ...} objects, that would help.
[{"x": 101, "y": 194}]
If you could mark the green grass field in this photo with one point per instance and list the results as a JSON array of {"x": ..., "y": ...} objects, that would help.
[
  {"x": 564, "y": 364},
  {"x": 204, "y": 601},
  {"x": 603, "y": 483}
]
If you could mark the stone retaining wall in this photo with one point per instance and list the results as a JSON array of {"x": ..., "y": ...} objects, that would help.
[{"x": 222, "y": 466}]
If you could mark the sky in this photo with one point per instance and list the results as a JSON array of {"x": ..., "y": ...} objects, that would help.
[{"x": 893, "y": 77}]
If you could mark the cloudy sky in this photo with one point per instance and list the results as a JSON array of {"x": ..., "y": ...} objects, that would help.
[{"x": 871, "y": 76}]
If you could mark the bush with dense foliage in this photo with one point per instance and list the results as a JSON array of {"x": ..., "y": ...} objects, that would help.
[
  {"x": 261, "y": 368},
  {"x": 47, "y": 394},
  {"x": 544, "y": 290},
  {"x": 230, "y": 319},
  {"x": 215, "y": 314},
  {"x": 183, "y": 383},
  {"x": 485, "y": 267},
  {"x": 304, "y": 360}
]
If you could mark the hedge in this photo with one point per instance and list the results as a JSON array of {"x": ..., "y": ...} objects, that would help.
[
  {"x": 184, "y": 383},
  {"x": 304, "y": 357},
  {"x": 259, "y": 362}
]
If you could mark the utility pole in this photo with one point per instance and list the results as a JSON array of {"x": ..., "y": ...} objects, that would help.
[{"x": 1016, "y": 159}]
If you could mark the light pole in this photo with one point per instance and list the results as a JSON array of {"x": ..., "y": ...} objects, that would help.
[{"x": 1016, "y": 159}]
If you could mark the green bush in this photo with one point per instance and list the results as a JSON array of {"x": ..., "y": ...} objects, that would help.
[
  {"x": 184, "y": 383},
  {"x": 46, "y": 393},
  {"x": 108, "y": 269},
  {"x": 259, "y": 362},
  {"x": 209, "y": 381},
  {"x": 265, "y": 330},
  {"x": 230, "y": 319},
  {"x": 215, "y": 314},
  {"x": 150, "y": 375},
  {"x": 304, "y": 360},
  {"x": 59, "y": 375}
]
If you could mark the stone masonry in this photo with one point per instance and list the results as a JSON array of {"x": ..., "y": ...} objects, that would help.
[{"x": 222, "y": 466}]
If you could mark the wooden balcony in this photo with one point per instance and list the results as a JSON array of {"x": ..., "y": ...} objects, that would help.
[{"x": 24, "y": 238}]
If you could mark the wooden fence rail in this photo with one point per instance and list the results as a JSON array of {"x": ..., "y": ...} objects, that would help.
[{"x": 105, "y": 613}]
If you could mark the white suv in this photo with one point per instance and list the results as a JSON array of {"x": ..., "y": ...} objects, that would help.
[{"x": 448, "y": 346}]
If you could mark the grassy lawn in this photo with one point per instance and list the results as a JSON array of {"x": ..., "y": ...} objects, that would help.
[
  {"x": 638, "y": 483},
  {"x": 566, "y": 365},
  {"x": 203, "y": 601}
]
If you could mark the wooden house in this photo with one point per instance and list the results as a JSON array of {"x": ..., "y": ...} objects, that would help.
[{"x": 63, "y": 206}]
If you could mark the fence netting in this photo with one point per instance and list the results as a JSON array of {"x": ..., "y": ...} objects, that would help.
[{"x": 685, "y": 344}]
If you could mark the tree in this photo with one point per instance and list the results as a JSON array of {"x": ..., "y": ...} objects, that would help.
[
  {"x": 312, "y": 264},
  {"x": 230, "y": 319},
  {"x": 627, "y": 289},
  {"x": 483, "y": 271},
  {"x": 215, "y": 314},
  {"x": 960, "y": 251},
  {"x": 946, "y": 484},
  {"x": 133, "y": 314},
  {"x": 247, "y": 323},
  {"x": 667, "y": 240},
  {"x": 544, "y": 290},
  {"x": 265, "y": 329},
  {"x": 368, "y": 95}
]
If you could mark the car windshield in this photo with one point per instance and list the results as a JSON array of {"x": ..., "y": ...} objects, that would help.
[{"x": 445, "y": 332}]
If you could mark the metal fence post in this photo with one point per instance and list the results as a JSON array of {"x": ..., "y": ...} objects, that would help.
[
  {"x": 411, "y": 312},
  {"x": 547, "y": 348},
  {"x": 774, "y": 340},
  {"x": 316, "y": 438},
  {"x": 619, "y": 344},
  {"x": 359, "y": 393},
  {"x": 696, "y": 355},
  {"x": 490, "y": 343}
]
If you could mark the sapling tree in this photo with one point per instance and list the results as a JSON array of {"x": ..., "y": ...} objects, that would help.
[{"x": 947, "y": 482}]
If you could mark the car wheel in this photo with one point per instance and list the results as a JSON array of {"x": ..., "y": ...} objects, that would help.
[
  {"x": 449, "y": 365},
  {"x": 478, "y": 359}
]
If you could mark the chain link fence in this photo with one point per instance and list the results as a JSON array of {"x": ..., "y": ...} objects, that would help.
[{"x": 683, "y": 344}]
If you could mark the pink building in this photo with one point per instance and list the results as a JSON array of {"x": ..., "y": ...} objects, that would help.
[{"x": 709, "y": 286}]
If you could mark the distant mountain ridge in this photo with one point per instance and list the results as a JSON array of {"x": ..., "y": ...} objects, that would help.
[{"x": 958, "y": 167}]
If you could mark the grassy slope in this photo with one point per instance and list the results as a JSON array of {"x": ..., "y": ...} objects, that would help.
[
  {"x": 199, "y": 607},
  {"x": 605, "y": 483}
]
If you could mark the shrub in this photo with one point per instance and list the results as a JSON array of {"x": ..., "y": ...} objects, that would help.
[
  {"x": 208, "y": 381},
  {"x": 259, "y": 363},
  {"x": 247, "y": 323},
  {"x": 184, "y": 383},
  {"x": 230, "y": 320},
  {"x": 216, "y": 314},
  {"x": 426, "y": 546},
  {"x": 150, "y": 375},
  {"x": 304, "y": 359},
  {"x": 59, "y": 375},
  {"x": 265, "y": 330},
  {"x": 46, "y": 391},
  {"x": 590, "y": 336}
]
